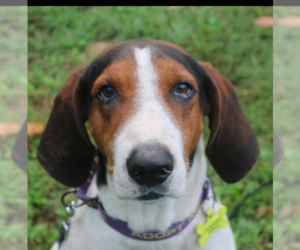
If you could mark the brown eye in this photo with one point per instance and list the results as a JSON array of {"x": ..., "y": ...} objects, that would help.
[
  {"x": 183, "y": 88},
  {"x": 107, "y": 93}
]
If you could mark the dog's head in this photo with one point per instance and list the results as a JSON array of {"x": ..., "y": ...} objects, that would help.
[{"x": 145, "y": 101}]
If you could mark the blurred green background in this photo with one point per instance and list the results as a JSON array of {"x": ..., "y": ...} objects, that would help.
[
  {"x": 62, "y": 38},
  {"x": 286, "y": 123},
  {"x": 13, "y": 110}
]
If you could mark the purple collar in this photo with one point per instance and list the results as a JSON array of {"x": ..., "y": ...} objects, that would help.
[{"x": 122, "y": 227}]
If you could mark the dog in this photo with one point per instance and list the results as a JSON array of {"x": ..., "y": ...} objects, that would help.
[{"x": 145, "y": 101}]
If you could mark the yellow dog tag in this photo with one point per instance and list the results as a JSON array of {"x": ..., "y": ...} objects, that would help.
[{"x": 213, "y": 222}]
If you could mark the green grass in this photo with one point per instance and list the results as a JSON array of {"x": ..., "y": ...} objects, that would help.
[
  {"x": 13, "y": 80},
  {"x": 61, "y": 38},
  {"x": 286, "y": 123},
  {"x": 13, "y": 198}
]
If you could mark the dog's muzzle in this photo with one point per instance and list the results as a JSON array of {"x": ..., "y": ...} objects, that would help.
[{"x": 149, "y": 165}]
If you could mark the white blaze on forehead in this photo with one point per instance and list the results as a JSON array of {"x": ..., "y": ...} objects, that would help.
[
  {"x": 146, "y": 75},
  {"x": 151, "y": 121}
]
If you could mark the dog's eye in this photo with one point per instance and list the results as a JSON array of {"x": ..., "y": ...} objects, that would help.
[
  {"x": 183, "y": 88},
  {"x": 107, "y": 93}
]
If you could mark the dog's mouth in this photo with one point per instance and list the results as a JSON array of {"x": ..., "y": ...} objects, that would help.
[{"x": 150, "y": 196}]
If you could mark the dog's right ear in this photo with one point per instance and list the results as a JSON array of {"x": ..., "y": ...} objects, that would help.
[
  {"x": 232, "y": 148},
  {"x": 65, "y": 150}
]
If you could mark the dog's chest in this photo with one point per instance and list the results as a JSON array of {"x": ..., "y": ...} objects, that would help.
[{"x": 90, "y": 232}]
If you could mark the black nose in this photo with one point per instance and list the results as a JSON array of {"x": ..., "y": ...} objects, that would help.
[{"x": 149, "y": 164}]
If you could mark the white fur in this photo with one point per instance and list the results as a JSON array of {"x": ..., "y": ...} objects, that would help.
[
  {"x": 55, "y": 246},
  {"x": 88, "y": 230},
  {"x": 150, "y": 122}
]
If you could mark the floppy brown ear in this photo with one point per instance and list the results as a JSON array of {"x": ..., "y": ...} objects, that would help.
[
  {"x": 65, "y": 150},
  {"x": 232, "y": 148}
]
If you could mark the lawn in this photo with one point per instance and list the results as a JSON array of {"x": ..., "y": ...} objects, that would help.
[
  {"x": 62, "y": 38},
  {"x": 13, "y": 109},
  {"x": 286, "y": 124}
]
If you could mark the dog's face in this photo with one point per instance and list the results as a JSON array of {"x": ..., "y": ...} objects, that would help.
[
  {"x": 145, "y": 101},
  {"x": 146, "y": 118}
]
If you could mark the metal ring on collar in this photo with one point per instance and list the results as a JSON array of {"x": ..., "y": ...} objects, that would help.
[
  {"x": 208, "y": 198},
  {"x": 65, "y": 194}
]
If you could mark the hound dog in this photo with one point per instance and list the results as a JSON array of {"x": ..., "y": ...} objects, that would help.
[{"x": 145, "y": 101}]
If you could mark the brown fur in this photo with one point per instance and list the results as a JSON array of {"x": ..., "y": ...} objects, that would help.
[
  {"x": 66, "y": 152},
  {"x": 105, "y": 121},
  {"x": 188, "y": 116}
]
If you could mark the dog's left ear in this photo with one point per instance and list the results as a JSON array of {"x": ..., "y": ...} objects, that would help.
[
  {"x": 232, "y": 148},
  {"x": 65, "y": 149}
]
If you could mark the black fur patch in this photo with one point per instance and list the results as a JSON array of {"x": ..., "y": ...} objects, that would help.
[
  {"x": 191, "y": 158},
  {"x": 101, "y": 169}
]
